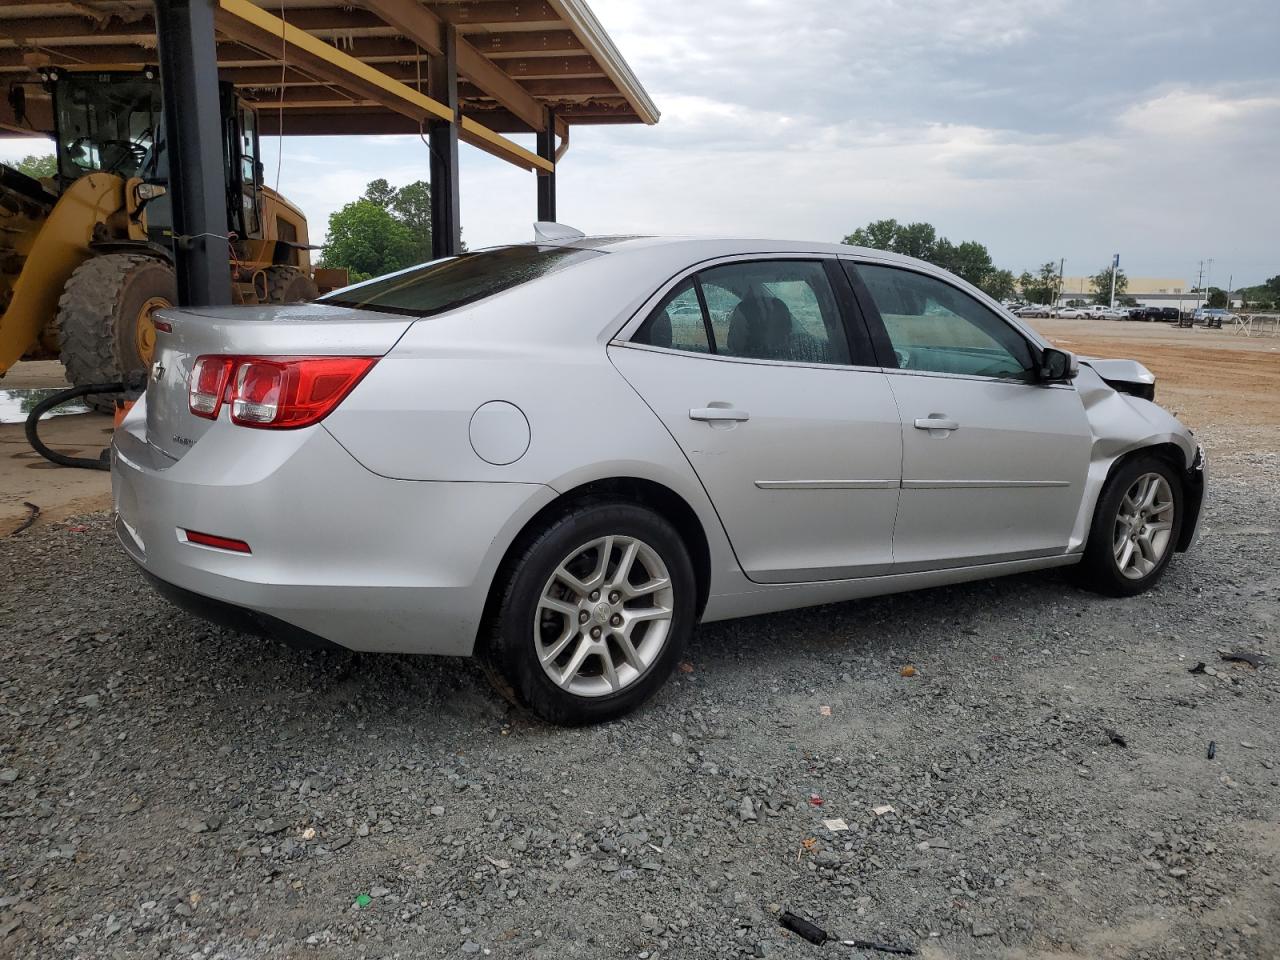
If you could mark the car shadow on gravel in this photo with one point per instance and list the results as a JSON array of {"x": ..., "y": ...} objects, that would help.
[{"x": 445, "y": 693}]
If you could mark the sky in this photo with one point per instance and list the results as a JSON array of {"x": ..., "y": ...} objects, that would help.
[{"x": 1045, "y": 129}]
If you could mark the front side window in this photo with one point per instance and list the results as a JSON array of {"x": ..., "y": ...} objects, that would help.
[
  {"x": 442, "y": 285},
  {"x": 934, "y": 327},
  {"x": 764, "y": 310}
]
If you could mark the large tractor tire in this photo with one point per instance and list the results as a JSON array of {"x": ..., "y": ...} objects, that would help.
[
  {"x": 289, "y": 285},
  {"x": 104, "y": 323}
]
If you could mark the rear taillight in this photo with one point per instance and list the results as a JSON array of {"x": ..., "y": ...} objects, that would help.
[
  {"x": 208, "y": 381},
  {"x": 274, "y": 392}
]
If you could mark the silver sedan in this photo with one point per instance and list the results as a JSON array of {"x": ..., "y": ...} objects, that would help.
[{"x": 561, "y": 456}]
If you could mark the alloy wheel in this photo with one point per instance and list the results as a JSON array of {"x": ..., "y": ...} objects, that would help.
[
  {"x": 1144, "y": 526},
  {"x": 603, "y": 616}
]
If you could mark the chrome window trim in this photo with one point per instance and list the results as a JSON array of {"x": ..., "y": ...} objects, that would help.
[
  {"x": 898, "y": 371},
  {"x": 724, "y": 358}
]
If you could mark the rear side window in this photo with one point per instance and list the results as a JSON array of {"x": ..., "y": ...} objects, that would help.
[
  {"x": 677, "y": 323},
  {"x": 446, "y": 284},
  {"x": 763, "y": 310}
]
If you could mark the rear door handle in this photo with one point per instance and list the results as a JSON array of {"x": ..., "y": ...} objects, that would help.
[
  {"x": 935, "y": 422},
  {"x": 718, "y": 413}
]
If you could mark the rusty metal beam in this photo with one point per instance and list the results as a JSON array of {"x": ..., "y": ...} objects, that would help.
[{"x": 489, "y": 12}]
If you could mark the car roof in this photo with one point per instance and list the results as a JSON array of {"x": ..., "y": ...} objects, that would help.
[{"x": 722, "y": 246}]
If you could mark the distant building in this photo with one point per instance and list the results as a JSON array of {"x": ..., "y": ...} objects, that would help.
[{"x": 1148, "y": 291}]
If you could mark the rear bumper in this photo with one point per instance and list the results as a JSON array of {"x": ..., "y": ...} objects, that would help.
[{"x": 339, "y": 554}]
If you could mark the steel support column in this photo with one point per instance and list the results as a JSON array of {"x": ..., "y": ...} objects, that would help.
[
  {"x": 193, "y": 141},
  {"x": 547, "y": 179},
  {"x": 446, "y": 221}
]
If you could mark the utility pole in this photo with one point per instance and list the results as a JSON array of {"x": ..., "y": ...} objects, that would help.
[
  {"x": 1200, "y": 281},
  {"x": 1115, "y": 265},
  {"x": 1061, "y": 263}
]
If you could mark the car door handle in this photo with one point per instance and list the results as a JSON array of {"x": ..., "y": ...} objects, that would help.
[
  {"x": 718, "y": 413},
  {"x": 935, "y": 422}
]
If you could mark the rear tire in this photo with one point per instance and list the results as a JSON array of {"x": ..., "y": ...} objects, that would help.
[
  {"x": 104, "y": 326},
  {"x": 1135, "y": 528},
  {"x": 287, "y": 284},
  {"x": 539, "y": 615}
]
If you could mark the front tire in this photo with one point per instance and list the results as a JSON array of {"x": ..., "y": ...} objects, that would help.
[
  {"x": 1135, "y": 528},
  {"x": 104, "y": 322},
  {"x": 594, "y": 612}
]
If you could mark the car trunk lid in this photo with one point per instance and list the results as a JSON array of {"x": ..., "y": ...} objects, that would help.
[{"x": 313, "y": 330}]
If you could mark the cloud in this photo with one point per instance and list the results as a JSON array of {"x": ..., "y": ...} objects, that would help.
[{"x": 1043, "y": 128}]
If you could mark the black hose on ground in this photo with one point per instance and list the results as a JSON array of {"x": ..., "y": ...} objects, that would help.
[{"x": 103, "y": 462}]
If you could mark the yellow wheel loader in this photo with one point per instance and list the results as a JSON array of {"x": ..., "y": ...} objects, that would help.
[{"x": 85, "y": 255}]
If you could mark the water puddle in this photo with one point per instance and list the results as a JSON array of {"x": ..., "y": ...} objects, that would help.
[{"x": 16, "y": 404}]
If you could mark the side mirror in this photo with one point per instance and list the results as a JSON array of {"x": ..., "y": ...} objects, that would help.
[{"x": 1058, "y": 366}]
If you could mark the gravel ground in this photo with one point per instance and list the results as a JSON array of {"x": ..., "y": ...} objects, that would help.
[{"x": 169, "y": 789}]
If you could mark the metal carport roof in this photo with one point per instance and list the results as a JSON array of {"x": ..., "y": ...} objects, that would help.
[{"x": 331, "y": 67}]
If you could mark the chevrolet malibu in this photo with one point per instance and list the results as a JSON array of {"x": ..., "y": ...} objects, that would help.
[{"x": 561, "y": 456}]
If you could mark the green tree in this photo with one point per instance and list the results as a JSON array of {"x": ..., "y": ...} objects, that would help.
[
  {"x": 1040, "y": 287},
  {"x": 380, "y": 192},
  {"x": 1217, "y": 297},
  {"x": 366, "y": 240},
  {"x": 999, "y": 284},
  {"x": 970, "y": 260},
  {"x": 878, "y": 235},
  {"x": 411, "y": 205},
  {"x": 38, "y": 165},
  {"x": 916, "y": 240},
  {"x": 1102, "y": 285}
]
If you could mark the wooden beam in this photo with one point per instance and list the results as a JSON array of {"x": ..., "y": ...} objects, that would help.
[
  {"x": 378, "y": 121},
  {"x": 253, "y": 26},
  {"x": 422, "y": 26}
]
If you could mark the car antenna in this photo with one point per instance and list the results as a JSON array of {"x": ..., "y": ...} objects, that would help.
[{"x": 544, "y": 231}]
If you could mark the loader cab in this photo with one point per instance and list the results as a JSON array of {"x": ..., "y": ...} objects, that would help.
[
  {"x": 108, "y": 122},
  {"x": 113, "y": 121},
  {"x": 244, "y": 168}
]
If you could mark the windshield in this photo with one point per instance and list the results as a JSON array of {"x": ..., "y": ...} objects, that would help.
[
  {"x": 446, "y": 284},
  {"x": 107, "y": 122}
]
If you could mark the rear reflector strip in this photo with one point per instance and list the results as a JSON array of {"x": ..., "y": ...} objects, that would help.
[{"x": 219, "y": 543}]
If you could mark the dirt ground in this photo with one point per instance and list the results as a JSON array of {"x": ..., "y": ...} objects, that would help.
[{"x": 1209, "y": 378}]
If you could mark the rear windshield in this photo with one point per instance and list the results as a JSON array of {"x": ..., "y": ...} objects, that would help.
[{"x": 445, "y": 284}]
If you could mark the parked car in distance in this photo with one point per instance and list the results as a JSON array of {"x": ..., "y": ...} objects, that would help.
[
  {"x": 1141, "y": 313},
  {"x": 562, "y": 456},
  {"x": 1034, "y": 310},
  {"x": 1069, "y": 313},
  {"x": 1211, "y": 316},
  {"x": 1169, "y": 314}
]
